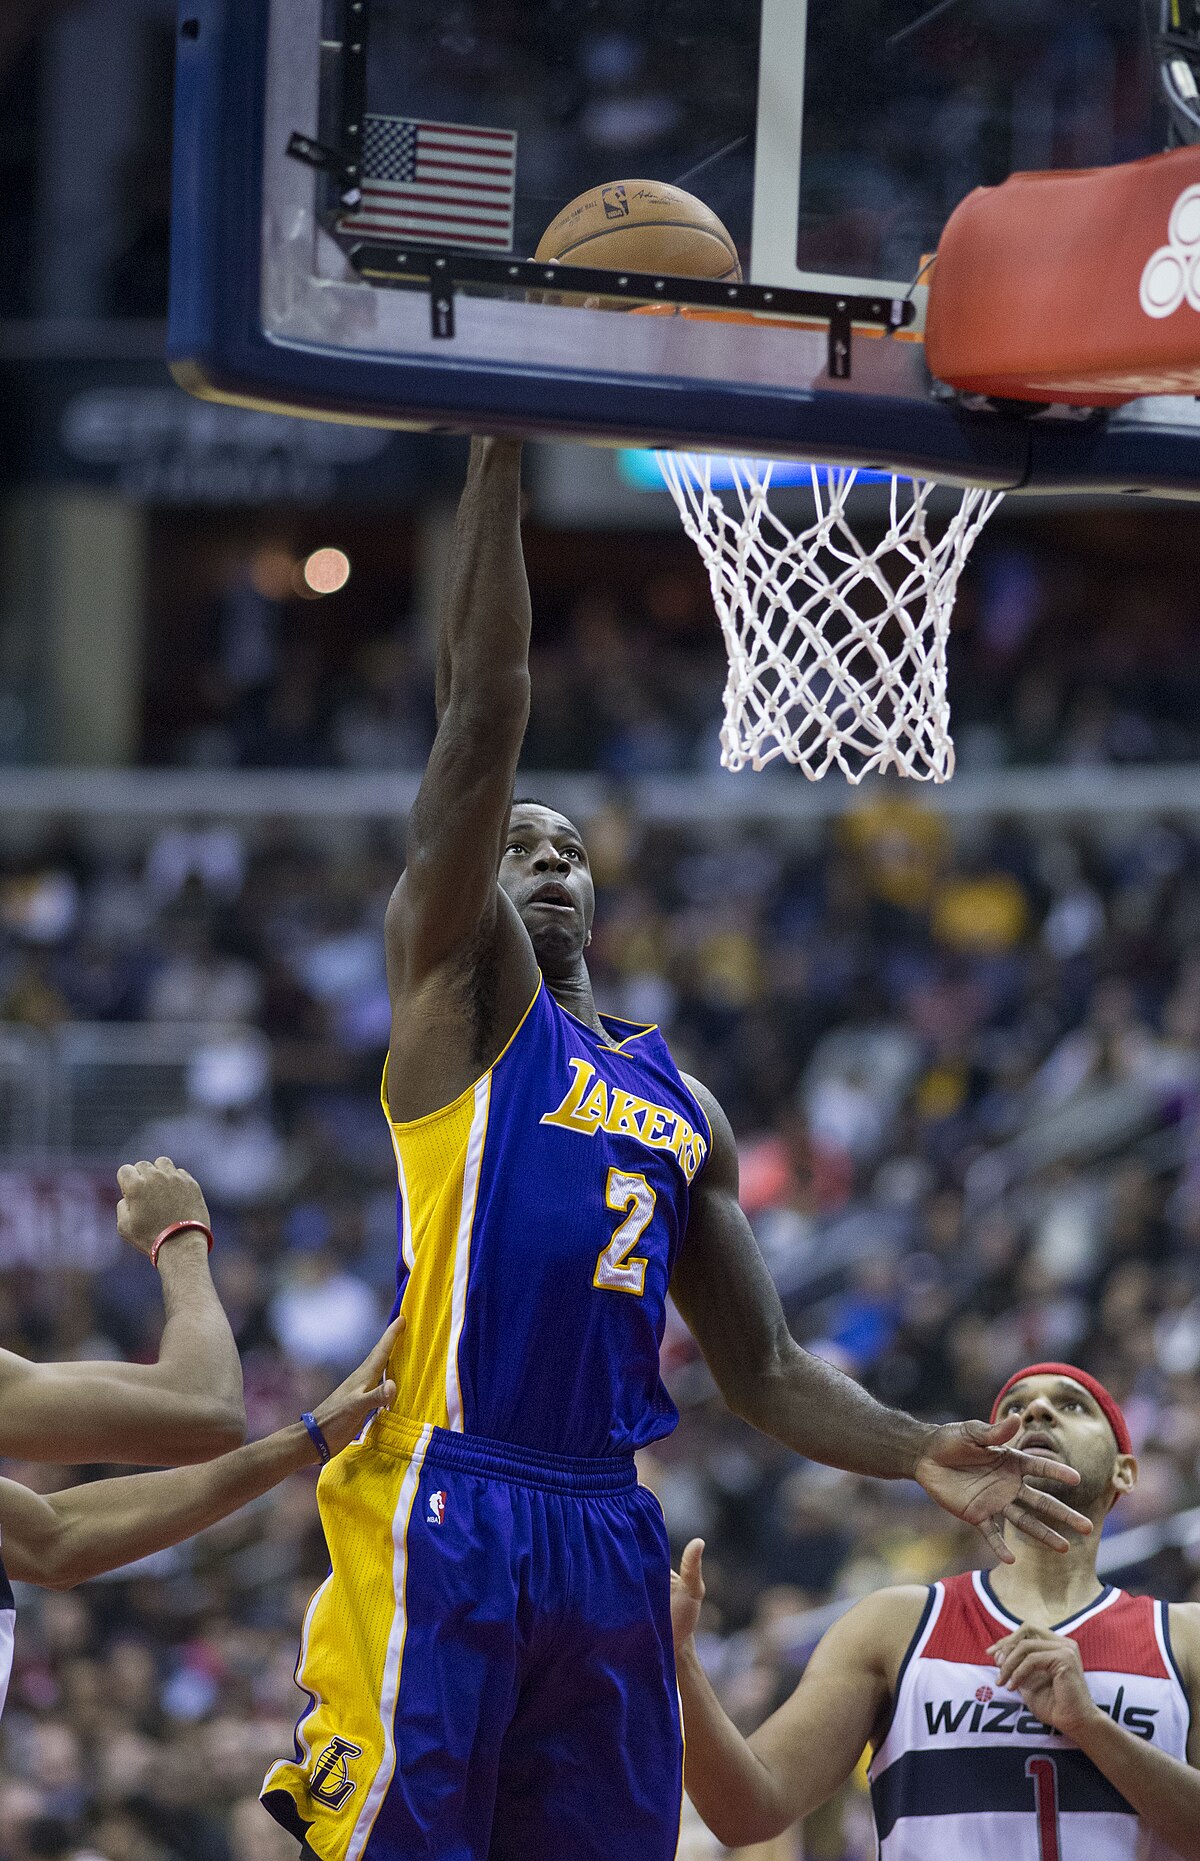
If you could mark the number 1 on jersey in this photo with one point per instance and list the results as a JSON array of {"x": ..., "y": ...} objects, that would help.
[
  {"x": 1044, "y": 1773},
  {"x": 616, "y": 1271}
]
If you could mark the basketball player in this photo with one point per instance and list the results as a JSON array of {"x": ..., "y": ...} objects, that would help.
[
  {"x": 1031, "y": 1711},
  {"x": 59, "y": 1539},
  {"x": 494, "y": 1644}
]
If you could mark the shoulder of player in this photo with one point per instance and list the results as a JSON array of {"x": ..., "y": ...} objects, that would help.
[
  {"x": 1183, "y": 1620},
  {"x": 878, "y": 1629}
]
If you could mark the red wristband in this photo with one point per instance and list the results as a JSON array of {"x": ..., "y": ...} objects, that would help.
[{"x": 179, "y": 1227}]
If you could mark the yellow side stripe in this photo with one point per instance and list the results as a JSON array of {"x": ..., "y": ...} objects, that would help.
[
  {"x": 462, "y": 1249},
  {"x": 394, "y": 1658}
]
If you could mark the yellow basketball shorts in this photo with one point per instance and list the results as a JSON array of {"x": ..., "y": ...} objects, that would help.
[{"x": 489, "y": 1665}]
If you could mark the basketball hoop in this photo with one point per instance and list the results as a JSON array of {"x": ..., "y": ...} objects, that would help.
[{"x": 837, "y": 651}]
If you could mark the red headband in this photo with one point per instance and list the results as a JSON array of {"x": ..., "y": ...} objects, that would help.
[{"x": 1110, "y": 1407}]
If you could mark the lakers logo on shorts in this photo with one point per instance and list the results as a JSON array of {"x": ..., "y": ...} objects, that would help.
[{"x": 331, "y": 1783}]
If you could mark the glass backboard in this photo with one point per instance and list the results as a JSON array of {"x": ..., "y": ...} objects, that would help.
[{"x": 361, "y": 187}]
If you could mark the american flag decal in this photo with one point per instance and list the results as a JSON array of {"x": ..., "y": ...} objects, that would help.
[{"x": 448, "y": 183}]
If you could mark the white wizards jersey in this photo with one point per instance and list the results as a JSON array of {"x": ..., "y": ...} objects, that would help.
[
  {"x": 966, "y": 1773},
  {"x": 8, "y": 1620}
]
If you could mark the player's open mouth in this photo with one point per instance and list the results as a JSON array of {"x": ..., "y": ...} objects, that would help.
[
  {"x": 556, "y": 895},
  {"x": 1037, "y": 1442}
]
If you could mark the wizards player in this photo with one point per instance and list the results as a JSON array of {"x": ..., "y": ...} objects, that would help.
[
  {"x": 493, "y": 1643},
  {"x": 1033, "y": 1711}
]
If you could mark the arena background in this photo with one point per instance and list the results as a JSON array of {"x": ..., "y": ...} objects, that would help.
[{"x": 958, "y": 1035}]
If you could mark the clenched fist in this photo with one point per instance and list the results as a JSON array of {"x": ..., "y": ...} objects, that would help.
[{"x": 154, "y": 1196}]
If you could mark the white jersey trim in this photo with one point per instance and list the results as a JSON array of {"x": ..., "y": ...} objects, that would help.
[
  {"x": 1162, "y": 1631},
  {"x": 1068, "y": 1626}
]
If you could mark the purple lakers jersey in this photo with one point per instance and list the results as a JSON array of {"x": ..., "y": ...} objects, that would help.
[{"x": 539, "y": 1217}]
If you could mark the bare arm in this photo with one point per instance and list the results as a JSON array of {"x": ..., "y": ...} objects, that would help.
[
  {"x": 729, "y": 1303},
  {"x": 1046, "y": 1670},
  {"x": 186, "y": 1407},
  {"x": 63, "y": 1539},
  {"x": 751, "y": 1789},
  {"x": 447, "y": 918}
]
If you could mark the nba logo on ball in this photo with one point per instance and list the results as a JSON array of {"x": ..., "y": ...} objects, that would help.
[
  {"x": 616, "y": 202},
  {"x": 437, "y": 1509}
]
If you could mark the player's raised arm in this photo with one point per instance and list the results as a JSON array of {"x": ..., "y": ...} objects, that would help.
[
  {"x": 729, "y": 1303},
  {"x": 446, "y": 917},
  {"x": 751, "y": 1789},
  {"x": 61, "y": 1539},
  {"x": 186, "y": 1407}
]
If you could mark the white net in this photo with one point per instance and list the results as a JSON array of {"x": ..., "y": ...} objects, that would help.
[{"x": 837, "y": 650}]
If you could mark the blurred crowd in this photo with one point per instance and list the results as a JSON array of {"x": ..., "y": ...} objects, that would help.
[
  {"x": 964, "y": 1072},
  {"x": 1072, "y": 642}
]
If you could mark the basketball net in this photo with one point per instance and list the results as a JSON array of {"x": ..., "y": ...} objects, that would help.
[{"x": 837, "y": 652}]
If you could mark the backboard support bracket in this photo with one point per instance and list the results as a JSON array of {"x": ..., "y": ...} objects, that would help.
[
  {"x": 405, "y": 266},
  {"x": 333, "y": 162},
  {"x": 345, "y": 60}
]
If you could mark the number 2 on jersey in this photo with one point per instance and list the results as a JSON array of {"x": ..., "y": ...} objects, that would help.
[
  {"x": 618, "y": 1268},
  {"x": 1044, "y": 1774}
]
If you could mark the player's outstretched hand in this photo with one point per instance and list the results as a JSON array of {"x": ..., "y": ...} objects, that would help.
[
  {"x": 970, "y": 1469},
  {"x": 687, "y": 1593},
  {"x": 154, "y": 1196},
  {"x": 1047, "y": 1671},
  {"x": 342, "y": 1414}
]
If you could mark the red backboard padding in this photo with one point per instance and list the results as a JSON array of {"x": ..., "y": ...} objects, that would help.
[{"x": 1079, "y": 286}]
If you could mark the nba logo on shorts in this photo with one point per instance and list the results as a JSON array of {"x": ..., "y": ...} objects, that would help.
[{"x": 437, "y": 1509}]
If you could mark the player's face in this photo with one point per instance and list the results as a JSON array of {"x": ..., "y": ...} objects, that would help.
[
  {"x": 1060, "y": 1420},
  {"x": 544, "y": 869}
]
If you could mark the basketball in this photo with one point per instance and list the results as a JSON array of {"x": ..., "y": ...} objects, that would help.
[{"x": 642, "y": 226}]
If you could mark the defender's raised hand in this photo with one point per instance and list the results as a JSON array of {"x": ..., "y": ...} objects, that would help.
[
  {"x": 970, "y": 1469},
  {"x": 155, "y": 1196},
  {"x": 687, "y": 1593}
]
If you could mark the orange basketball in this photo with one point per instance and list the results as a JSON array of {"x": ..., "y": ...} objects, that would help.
[{"x": 642, "y": 226}]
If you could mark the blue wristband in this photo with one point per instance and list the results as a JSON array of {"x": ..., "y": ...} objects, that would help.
[{"x": 316, "y": 1437}]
